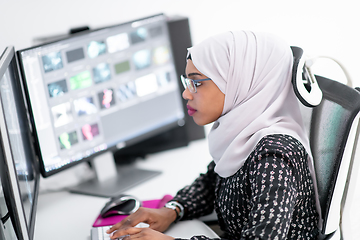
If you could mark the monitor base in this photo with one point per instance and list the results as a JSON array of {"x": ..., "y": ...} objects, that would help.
[{"x": 127, "y": 177}]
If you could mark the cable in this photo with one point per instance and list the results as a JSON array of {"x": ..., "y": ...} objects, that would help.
[{"x": 5, "y": 218}]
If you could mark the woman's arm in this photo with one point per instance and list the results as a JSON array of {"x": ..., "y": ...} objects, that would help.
[{"x": 198, "y": 198}]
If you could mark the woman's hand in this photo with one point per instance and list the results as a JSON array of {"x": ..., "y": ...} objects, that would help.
[
  {"x": 158, "y": 219},
  {"x": 142, "y": 234}
]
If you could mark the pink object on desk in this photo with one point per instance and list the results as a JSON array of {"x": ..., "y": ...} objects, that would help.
[{"x": 158, "y": 203}]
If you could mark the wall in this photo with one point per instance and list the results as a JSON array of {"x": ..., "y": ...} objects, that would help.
[{"x": 320, "y": 27}]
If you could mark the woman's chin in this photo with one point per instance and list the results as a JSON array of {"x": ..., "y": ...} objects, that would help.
[{"x": 199, "y": 121}]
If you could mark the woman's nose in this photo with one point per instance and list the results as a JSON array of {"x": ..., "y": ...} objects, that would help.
[{"x": 187, "y": 94}]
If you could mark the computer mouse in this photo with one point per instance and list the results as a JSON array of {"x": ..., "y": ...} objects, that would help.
[{"x": 120, "y": 205}]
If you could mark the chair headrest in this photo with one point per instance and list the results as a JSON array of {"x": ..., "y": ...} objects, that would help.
[{"x": 304, "y": 82}]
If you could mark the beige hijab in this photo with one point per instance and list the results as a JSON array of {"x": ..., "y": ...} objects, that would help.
[{"x": 253, "y": 70}]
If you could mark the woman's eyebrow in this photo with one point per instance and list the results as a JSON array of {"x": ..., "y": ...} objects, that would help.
[{"x": 194, "y": 74}]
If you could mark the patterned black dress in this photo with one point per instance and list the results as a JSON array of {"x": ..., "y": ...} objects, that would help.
[{"x": 270, "y": 197}]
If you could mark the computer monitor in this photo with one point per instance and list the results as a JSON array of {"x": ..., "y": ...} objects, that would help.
[
  {"x": 19, "y": 175},
  {"x": 99, "y": 91},
  {"x": 180, "y": 37}
]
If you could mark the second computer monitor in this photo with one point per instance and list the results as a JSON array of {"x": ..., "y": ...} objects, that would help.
[{"x": 18, "y": 169}]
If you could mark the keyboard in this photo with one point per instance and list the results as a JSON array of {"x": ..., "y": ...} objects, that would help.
[{"x": 99, "y": 233}]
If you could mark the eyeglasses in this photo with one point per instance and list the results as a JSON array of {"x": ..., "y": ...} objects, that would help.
[{"x": 191, "y": 84}]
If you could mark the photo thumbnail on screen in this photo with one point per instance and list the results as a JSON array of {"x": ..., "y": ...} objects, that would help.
[
  {"x": 81, "y": 80},
  {"x": 122, "y": 67},
  {"x": 90, "y": 131},
  {"x": 102, "y": 73},
  {"x": 126, "y": 91},
  {"x": 146, "y": 85},
  {"x": 106, "y": 98},
  {"x": 85, "y": 106},
  {"x": 58, "y": 88},
  {"x": 118, "y": 42},
  {"x": 52, "y": 61},
  {"x": 67, "y": 140},
  {"x": 139, "y": 35},
  {"x": 75, "y": 55},
  {"x": 142, "y": 59},
  {"x": 62, "y": 114},
  {"x": 161, "y": 55},
  {"x": 156, "y": 31},
  {"x": 96, "y": 48},
  {"x": 164, "y": 78}
]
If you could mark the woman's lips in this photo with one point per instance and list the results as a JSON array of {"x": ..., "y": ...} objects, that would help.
[{"x": 191, "y": 111}]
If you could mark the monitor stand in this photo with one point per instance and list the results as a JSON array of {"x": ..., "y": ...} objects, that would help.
[{"x": 111, "y": 180}]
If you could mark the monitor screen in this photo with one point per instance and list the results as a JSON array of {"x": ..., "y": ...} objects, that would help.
[
  {"x": 100, "y": 90},
  {"x": 19, "y": 173}
]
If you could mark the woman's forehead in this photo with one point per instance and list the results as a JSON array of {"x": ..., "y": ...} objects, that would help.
[{"x": 190, "y": 68}]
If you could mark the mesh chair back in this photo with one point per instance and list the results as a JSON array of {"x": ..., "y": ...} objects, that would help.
[{"x": 331, "y": 141}]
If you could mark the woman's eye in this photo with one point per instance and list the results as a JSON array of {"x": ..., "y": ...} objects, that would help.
[{"x": 197, "y": 84}]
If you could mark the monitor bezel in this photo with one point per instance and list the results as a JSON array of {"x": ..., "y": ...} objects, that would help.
[
  {"x": 114, "y": 148},
  {"x": 23, "y": 227}
]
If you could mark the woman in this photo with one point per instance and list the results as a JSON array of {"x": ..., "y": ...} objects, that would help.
[{"x": 259, "y": 183}]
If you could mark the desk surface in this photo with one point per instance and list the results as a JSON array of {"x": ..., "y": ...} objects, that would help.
[{"x": 64, "y": 215}]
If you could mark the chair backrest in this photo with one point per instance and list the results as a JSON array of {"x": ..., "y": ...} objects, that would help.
[
  {"x": 333, "y": 129},
  {"x": 350, "y": 204}
]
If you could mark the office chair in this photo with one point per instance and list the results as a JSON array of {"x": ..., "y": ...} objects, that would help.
[{"x": 333, "y": 135}]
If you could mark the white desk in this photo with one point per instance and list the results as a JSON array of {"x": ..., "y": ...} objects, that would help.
[{"x": 64, "y": 215}]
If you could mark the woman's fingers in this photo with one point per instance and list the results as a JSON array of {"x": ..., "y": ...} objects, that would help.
[
  {"x": 124, "y": 232},
  {"x": 126, "y": 223},
  {"x": 157, "y": 219},
  {"x": 142, "y": 234},
  {"x": 130, "y": 221}
]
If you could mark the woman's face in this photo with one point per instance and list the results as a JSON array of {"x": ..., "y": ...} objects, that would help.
[{"x": 206, "y": 105}]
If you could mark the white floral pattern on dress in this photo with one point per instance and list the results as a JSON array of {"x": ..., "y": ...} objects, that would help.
[{"x": 270, "y": 197}]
